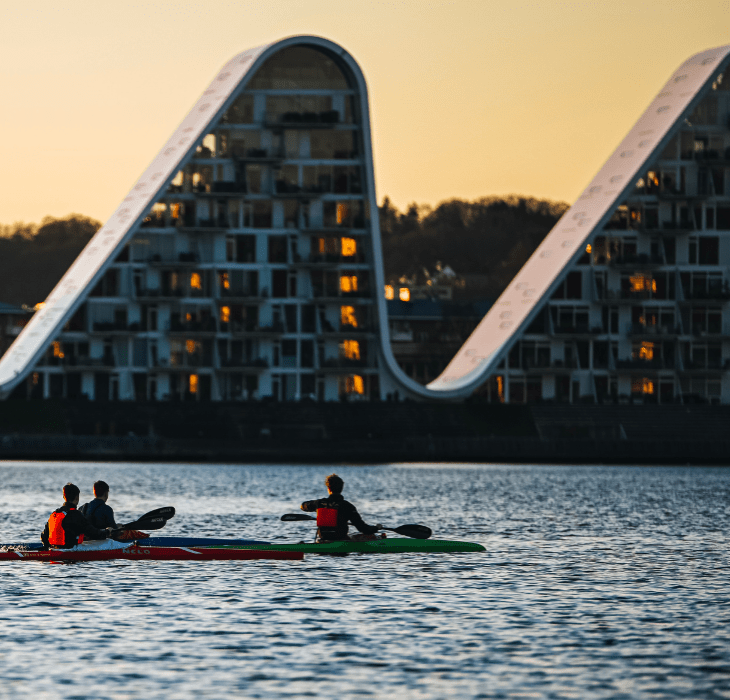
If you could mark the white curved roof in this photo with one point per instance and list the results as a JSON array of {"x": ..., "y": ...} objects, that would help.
[{"x": 478, "y": 357}]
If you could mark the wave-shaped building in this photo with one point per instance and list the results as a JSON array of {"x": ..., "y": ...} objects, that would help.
[{"x": 246, "y": 261}]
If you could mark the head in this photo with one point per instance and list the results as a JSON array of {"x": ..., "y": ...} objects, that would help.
[
  {"x": 71, "y": 494},
  {"x": 334, "y": 484},
  {"x": 101, "y": 490}
]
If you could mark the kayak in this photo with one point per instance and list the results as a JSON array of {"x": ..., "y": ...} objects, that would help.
[
  {"x": 156, "y": 542},
  {"x": 388, "y": 545},
  {"x": 151, "y": 553}
]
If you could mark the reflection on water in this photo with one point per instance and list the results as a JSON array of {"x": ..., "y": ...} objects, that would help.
[{"x": 597, "y": 583}]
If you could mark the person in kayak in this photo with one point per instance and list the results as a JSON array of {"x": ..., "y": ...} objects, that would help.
[
  {"x": 98, "y": 512},
  {"x": 66, "y": 527},
  {"x": 334, "y": 513}
]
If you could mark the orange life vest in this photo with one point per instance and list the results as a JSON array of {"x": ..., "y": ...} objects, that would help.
[
  {"x": 56, "y": 531},
  {"x": 327, "y": 517}
]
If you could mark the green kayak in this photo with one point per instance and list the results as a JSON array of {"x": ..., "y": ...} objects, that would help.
[{"x": 391, "y": 544}]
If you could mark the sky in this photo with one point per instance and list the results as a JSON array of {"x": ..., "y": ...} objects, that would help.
[{"x": 468, "y": 98}]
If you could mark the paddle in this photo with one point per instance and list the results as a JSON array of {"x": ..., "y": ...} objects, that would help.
[
  {"x": 154, "y": 520},
  {"x": 417, "y": 532}
]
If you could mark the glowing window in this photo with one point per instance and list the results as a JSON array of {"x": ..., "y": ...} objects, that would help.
[
  {"x": 354, "y": 384},
  {"x": 322, "y": 246},
  {"x": 175, "y": 211},
  {"x": 193, "y": 384},
  {"x": 225, "y": 280},
  {"x": 646, "y": 352},
  {"x": 191, "y": 346},
  {"x": 647, "y": 386},
  {"x": 348, "y": 316},
  {"x": 640, "y": 283},
  {"x": 389, "y": 291},
  {"x": 349, "y": 247},
  {"x": 196, "y": 281},
  {"x": 348, "y": 283},
  {"x": 500, "y": 388},
  {"x": 36, "y": 378},
  {"x": 225, "y": 314},
  {"x": 350, "y": 349},
  {"x": 588, "y": 249},
  {"x": 343, "y": 212},
  {"x": 57, "y": 350},
  {"x": 404, "y": 294}
]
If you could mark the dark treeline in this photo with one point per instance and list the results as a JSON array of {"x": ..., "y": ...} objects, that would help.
[
  {"x": 485, "y": 241},
  {"x": 33, "y": 257}
]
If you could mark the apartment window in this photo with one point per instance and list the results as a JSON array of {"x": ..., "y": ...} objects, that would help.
[{"x": 704, "y": 250}]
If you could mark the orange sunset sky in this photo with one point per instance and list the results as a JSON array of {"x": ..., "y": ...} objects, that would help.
[{"x": 468, "y": 97}]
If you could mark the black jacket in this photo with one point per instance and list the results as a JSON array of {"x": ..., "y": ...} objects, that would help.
[
  {"x": 98, "y": 513},
  {"x": 74, "y": 524},
  {"x": 346, "y": 512}
]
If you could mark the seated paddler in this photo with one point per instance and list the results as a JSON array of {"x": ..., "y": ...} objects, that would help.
[
  {"x": 334, "y": 513},
  {"x": 98, "y": 512},
  {"x": 67, "y": 527}
]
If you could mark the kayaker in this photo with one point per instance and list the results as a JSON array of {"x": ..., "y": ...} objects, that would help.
[
  {"x": 98, "y": 512},
  {"x": 334, "y": 513},
  {"x": 66, "y": 527}
]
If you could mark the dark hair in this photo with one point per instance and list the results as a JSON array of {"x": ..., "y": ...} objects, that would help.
[
  {"x": 100, "y": 488},
  {"x": 334, "y": 483},
  {"x": 70, "y": 491}
]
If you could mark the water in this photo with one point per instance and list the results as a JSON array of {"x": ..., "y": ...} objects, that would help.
[{"x": 597, "y": 582}]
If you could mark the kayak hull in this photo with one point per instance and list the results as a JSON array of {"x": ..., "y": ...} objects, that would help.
[
  {"x": 388, "y": 545},
  {"x": 157, "y": 542},
  {"x": 152, "y": 553}
]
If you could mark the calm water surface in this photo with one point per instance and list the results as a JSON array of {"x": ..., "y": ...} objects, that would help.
[{"x": 598, "y": 582}]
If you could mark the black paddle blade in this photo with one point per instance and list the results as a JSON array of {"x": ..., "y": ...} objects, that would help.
[
  {"x": 166, "y": 512},
  {"x": 291, "y": 517},
  {"x": 145, "y": 523},
  {"x": 417, "y": 532}
]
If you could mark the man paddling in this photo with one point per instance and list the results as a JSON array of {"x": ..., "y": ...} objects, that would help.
[
  {"x": 66, "y": 527},
  {"x": 334, "y": 513},
  {"x": 98, "y": 512}
]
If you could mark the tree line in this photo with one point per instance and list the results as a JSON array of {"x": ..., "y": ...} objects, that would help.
[{"x": 486, "y": 241}]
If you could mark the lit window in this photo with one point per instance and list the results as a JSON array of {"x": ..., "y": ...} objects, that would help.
[
  {"x": 36, "y": 378},
  {"x": 39, "y": 306},
  {"x": 354, "y": 384},
  {"x": 225, "y": 314},
  {"x": 343, "y": 211},
  {"x": 348, "y": 316},
  {"x": 225, "y": 280},
  {"x": 191, "y": 346},
  {"x": 350, "y": 349},
  {"x": 389, "y": 291},
  {"x": 57, "y": 351},
  {"x": 175, "y": 211},
  {"x": 348, "y": 283},
  {"x": 646, "y": 352},
  {"x": 640, "y": 283},
  {"x": 195, "y": 281},
  {"x": 588, "y": 249},
  {"x": 322, "y": 245},
  {"x": 647, "y": 386},
  {"x": 500, "y": 388},
  {"x": 193, "y": 383},
  {"x": 349, "y": 247},
  {"x": 188, "y": 317},
  {"x": 404, "y": 294}
]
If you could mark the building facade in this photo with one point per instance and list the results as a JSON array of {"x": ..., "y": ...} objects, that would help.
[{"x": 246, "y": 261}]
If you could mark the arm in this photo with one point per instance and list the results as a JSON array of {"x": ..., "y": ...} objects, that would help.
[
  {"x": 86, "y": 528},
  {"x": 105, "y": 516},
  {"x": 360, "y": 524},
  {"x": 311, "y": 506}
]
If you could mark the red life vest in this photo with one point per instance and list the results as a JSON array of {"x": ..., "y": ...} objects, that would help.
[
  {"x": 327, "y": 517},
  {"x": 56, "y": 531}
]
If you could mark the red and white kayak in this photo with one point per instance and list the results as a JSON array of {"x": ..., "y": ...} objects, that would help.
[{"x": 152, "y": 553}]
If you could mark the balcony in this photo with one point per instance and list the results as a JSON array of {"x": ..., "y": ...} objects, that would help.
[
  {"x": 303, "y": 120},
  {"x": 189, "y": 328},
  {"x": 244, "y": 366},
  {"x": 643, "y": 331},
  {"x": 646, "y": 365},
  {"x": 341, "y": 365},
  {"x": 643, "y": 261}
]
